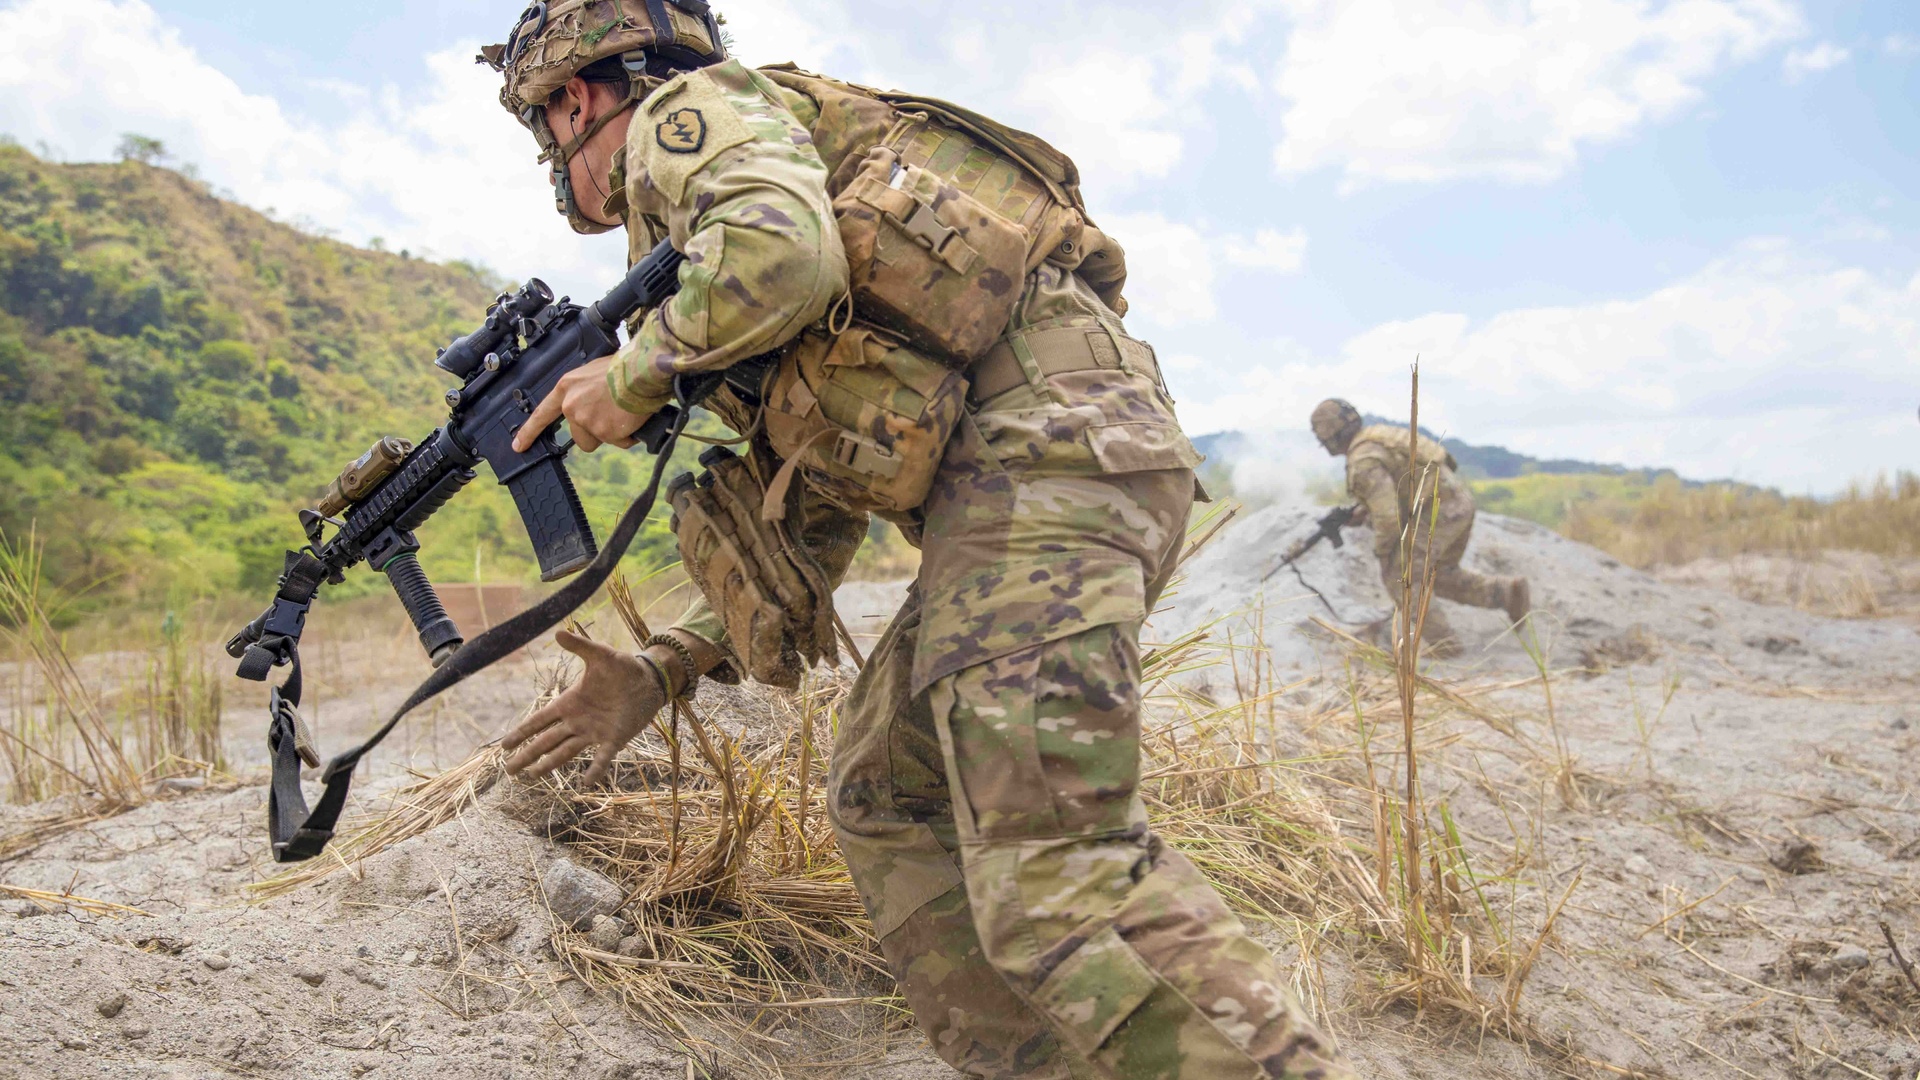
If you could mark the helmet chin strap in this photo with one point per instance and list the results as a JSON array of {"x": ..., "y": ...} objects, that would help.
[{"x": 561, "y": 157}]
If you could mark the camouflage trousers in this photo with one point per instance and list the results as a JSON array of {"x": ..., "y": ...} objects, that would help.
[
  {"x": 1442, "y": 542},
  {"x": 986, "y": 798}
]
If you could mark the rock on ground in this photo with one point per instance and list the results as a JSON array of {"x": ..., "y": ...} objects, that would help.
[{"x": 1686, "y": 950}]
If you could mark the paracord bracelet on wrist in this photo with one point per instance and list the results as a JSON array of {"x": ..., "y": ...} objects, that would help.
[
  {"x": 666, "y": 684},
  {"x": 687, "y": 662}
]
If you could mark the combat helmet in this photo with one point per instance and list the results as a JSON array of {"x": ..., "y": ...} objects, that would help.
[
  {"x": 637, "y": 42},
  {"x": 1335, "y": 423}
]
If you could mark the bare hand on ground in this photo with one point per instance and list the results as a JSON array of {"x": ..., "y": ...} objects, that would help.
[
  {"x": 615, "y": 698},
  {"x": 584, "y": 399}
]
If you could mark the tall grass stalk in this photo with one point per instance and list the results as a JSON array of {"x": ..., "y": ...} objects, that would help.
[
  {"x": 107, "y": 734},
  {"x": 49, "y": 718},
  {"x": 748, "y": 939}
]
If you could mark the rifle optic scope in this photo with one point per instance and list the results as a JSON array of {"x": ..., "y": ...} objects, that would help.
[{"x": 464, "y": 358}]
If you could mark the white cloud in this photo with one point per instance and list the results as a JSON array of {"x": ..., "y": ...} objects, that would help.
[
  {"x": 1172, "y": 265},
  {"x": 1901, "y": 45},
  {"x": 447, "y": 171},
  {"x": 1801, "y": 63},
  {"x": 1768, "y": 365},
  {"x": 1268, "y": 249},
  {"x": 1122, "y": 90},
  {"x": 1432, "y": 90}
]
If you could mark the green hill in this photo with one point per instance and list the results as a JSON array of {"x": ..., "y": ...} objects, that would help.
[{"x": 179, "y": 374}]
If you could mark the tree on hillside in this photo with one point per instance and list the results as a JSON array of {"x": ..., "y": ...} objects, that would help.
[{"x": 140, "y": 148}]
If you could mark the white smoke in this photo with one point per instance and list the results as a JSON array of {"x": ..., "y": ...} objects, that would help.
[{"x": 1270, "y": 468}]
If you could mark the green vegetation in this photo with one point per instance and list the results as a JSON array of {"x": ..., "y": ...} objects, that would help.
[
  {"x": 1550, "y": 499},
  {"x": 1659, "y": 520},
  {"x": 179, "y": 374}
]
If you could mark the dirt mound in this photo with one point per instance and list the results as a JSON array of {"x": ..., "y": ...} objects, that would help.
[
  {"x": 1711, "y": 789},
  {"x": 1591, "y": 609}
]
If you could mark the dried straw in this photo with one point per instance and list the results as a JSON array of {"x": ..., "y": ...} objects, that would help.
[
  {"x": 66, "y": 901},
  {"x": 748, "y": 943}
]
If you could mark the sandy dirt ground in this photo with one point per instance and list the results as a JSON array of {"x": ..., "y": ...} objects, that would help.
[{"x": 1732, "y": 800}]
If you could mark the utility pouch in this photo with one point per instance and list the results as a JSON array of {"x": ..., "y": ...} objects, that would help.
[
  {"x": 864, "y": 416},
  {"x": 928, "y": 259},
  {"x": 772, "y": 597}
]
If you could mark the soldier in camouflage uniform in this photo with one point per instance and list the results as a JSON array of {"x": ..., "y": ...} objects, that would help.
[
  {"x": 985, "y": 786},
  {"x": 1380, "y": 474}
]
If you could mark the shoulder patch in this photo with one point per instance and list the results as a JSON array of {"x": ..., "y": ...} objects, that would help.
[{"x": 684, "y": 131}]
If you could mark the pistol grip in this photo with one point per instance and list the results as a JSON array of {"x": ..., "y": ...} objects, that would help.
[{"x": 658, "y": 429}]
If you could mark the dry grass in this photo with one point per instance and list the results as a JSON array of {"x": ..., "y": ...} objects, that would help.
[
  {"x": 66, "y": 901},
  {"x": 107, "y": 735},
  {"x": 1674, "y": 524},
  {"x": 748, "y": 944}
]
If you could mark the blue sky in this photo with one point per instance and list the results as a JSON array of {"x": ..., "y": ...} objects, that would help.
[{"x": 1661, "y": 232}]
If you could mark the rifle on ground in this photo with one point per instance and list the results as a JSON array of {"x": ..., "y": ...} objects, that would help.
[{"x": 507, "y": 367}]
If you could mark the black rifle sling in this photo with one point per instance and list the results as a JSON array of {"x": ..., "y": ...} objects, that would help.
[{"x": 298, "y": 844}]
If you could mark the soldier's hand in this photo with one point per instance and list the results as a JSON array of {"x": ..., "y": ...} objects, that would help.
[
  {"x": 1361, "y": 519},
  {"x": 584, "y": 399},
  {"x": 615, "y": 698}
]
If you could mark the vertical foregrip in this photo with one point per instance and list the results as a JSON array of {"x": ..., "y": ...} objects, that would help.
[{"x": 438, "y": 635}]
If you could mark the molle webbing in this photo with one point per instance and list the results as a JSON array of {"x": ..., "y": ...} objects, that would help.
[
  {"x": 998, "y": 183},
  {"x": 1016, "y": 175},
  {"x": 1059, "y": 350}
]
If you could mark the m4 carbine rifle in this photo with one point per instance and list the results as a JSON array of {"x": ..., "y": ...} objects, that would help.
[
  {"x": 1328, "y": 529},
  {"x": 506, "y": 368}
]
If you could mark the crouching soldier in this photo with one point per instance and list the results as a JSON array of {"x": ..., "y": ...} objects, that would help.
[
  {"x": 940, "y": 327},
  {"x": 1387, "y": 475}
]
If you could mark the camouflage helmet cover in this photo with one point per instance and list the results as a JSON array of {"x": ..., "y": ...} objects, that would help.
[
  {"x": 1336, "y": 422},
  {"x": 553, "y": 42}
]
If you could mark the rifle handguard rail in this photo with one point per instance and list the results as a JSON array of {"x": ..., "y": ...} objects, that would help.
[{"x": 511, "y": 363}]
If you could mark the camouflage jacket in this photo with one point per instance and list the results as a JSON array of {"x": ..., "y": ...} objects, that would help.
[
  {"x": 736, "y": 168},
  {"x": 716, "y": 160},
  {"x": 1377, "y": 475}
]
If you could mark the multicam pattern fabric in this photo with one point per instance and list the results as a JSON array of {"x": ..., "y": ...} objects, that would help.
[
  {"x": 929, "y": 259},
  {"x": 552, "y": 45},
  {"x": 985, "y": 783},
  {"x": 772, "y": 596},
  {"x": 748, "y": 206},
  {"x": 1378, "y": 475},
  {"x": 1377, "y": 463},
  {"x": 866, "y": 417}
]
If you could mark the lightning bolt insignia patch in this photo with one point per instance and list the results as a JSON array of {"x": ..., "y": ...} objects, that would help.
[{"x": 684, "y": 131}]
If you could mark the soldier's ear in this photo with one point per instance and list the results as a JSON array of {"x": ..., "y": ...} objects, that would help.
[{"x": 572, "y": 103}]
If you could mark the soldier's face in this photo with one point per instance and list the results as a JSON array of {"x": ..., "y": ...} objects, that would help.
[{"x": 572, "y": 112}]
